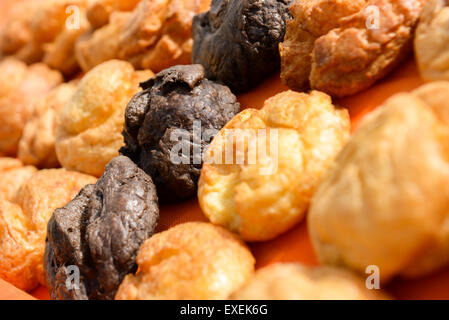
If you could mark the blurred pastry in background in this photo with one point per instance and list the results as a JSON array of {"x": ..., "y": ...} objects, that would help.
[
  {"x": 23, "y": 223},
  {"x": 16, "y": 32},
  {"x": 155, "y": 35},
  {"x": 191, "y": 261},
  {"x": 13, "y": 173},
  {"x": 384, "y": 201},
  {"x": 432, "y": 41},
  {"x": 158, "y": 34},
  {"x": 100, "y": 45},
  {"x": 342, "y": 47},
  {"x": 99, "y": 11},
  {"x": 20, "y": 87},
  {"x": 58, "y": 26},
  {"x": 90, "y": 127},
  {"x": 37, "y": 145},
  {"x": 5, "y": 9},
  {"x": 293, "y": 281},
  {"x": 262, "y": 169},
  {"x": 45, "y": 30}
]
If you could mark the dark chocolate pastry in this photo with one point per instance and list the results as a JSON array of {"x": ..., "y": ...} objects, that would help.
[
  {"x": 99, "y": 233},
  {"x": 237, "y": 40},
  {"x": 169, "y": 125}
]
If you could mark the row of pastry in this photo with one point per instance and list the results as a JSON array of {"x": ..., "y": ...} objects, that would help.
[
  {"x": 376, "y": 198},
  {"x": 338, "y": 47}
]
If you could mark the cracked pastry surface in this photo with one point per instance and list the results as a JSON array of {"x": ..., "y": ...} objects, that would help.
[
  {"x": 237, "y": 40},
  {"x": 293, "y": 281},
  {"x": 328, "y": 43},
  {"x": 170, "y": 124},
  {"x": 20, "y": 87},
  {"x": 384, "y": 200},
  {"x": 264, "y": 197},
  {"x": 37, "y": 145},
  {"x": 100, "y": 232},
  {"x": 23, "y": 223},
  {"x": 195, "y": 260},
  {"x": 432, "y": 41},
  {"x": 91, "y": 122}
]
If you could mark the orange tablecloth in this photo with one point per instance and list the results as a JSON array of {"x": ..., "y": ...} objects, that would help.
[{"x": 295, "y": 245}]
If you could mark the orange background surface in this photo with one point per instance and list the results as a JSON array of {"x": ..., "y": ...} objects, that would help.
[{"x": 294, "y": 245}]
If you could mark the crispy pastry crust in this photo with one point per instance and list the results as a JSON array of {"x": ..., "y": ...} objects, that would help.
[
  {"x": 336, "y": 47},
  {"x": 264, "y": 198},
  {"x": 89, "y": 134},
  {"x": 191, "y": 261}
]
